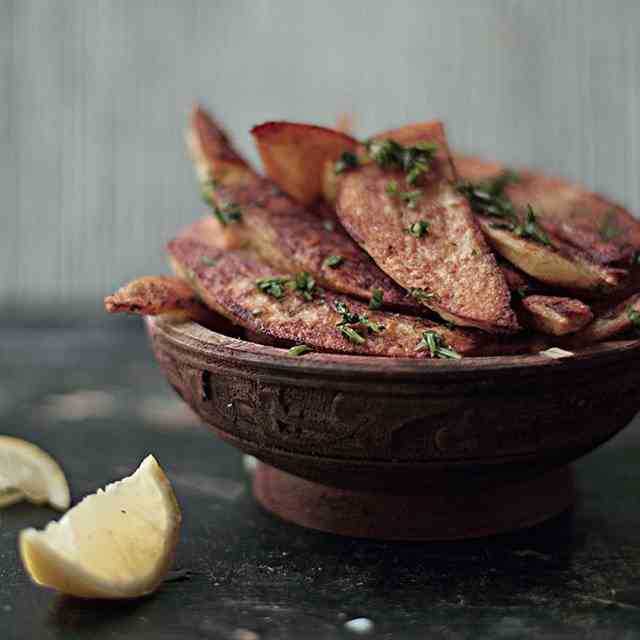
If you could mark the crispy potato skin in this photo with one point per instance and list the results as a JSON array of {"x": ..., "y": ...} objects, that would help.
[
  {"x": 560, "y": 265},
  {"x": 212, "y": 153},
  {"x": 287, "y": 237},
  {"x": 152, "y": 295},
  {"x": 293, "y": 155},
  {"x": 554, "y": 315},
  {"x": 451, "y": 261},
  {"x": 569, "y": 211},
  {"x": 226, "y": 281},
  {"x": 157, "y": 295},
  {"x": 284, "y": 233},
  {"x": 608, "y": 324}
]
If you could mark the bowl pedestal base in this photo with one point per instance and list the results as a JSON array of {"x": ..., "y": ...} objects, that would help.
[{"x": 447, "y": 513}]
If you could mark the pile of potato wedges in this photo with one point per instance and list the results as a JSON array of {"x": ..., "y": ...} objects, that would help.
[{"x": 392, "y": 246}]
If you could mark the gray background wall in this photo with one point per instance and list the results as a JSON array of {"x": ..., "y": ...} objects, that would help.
[{"x": 94, "y": 96}]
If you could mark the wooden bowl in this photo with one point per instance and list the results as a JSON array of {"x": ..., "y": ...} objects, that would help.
[{"x": 404, "y": 449}]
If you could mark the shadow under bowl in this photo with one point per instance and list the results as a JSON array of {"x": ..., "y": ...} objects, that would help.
[{"x": 404, "y": 449}]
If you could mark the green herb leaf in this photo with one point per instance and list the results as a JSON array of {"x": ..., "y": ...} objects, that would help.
[
  {"x": 333, "y": 261},
  {"x": 418, "y": 229},
  {"x": 304, "y": 284},
  {"x": 355, "y": 322},
  {"x": 300, "y": 350},
  {"x": 437, "y": 348},
  {"x": 209, "y": 262},
  {"x": 634, "y": 316},
  {"x": 228, "y": 213},
  {"x": 391, "y": 187},
  {"x": 530, "y": 230},
  {"x": 610, "y": 229},
  {"x": 414, "y": 161},
  {"x": 348, "y": 317},
  {"x": 489, "y": 197},
  {"x": 422, "y": 296},
  {"x": 376, "y": 299},
  {"x": 352, "y": 335},
  {"x": 410, "y": 198},
  {"x": 207, "y": 187},
  {"x": 274, "y": 287},
  {"x": 328, "y": 225},
  {"x": 348, "y": 160}
]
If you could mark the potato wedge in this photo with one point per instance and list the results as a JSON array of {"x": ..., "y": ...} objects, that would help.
[
  {"x": 553, "y": 315},
  {"x": 157, "y": 295},
  {"x": 425, "y": 236},
  {"x": 214, "y": 157},
  {"x": 258, "y": 298},
  {"x": 558, "y": 265},
  {"x": 615, "y": 321},
  {"x": 604, "y": 230},
  {"x": 294, "y": 155},
  {"x": 287, "y": 235}
]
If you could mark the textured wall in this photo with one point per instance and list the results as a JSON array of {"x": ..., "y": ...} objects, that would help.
[{"x": 94, "y": 97}]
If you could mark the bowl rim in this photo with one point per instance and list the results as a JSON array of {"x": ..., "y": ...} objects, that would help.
[{"x": 192, "y": 338}]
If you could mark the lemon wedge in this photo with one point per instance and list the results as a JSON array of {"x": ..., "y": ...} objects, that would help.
[
  {"x": 28, "y": 472},
  {"x": 116, "y": 543}
]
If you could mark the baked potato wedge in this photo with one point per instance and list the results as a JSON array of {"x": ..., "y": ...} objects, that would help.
[
  {"x": 556, "y": 263},
  {"x": 604, "y": 230},
  {"x": 285, "y": 234},
  {"x": 553, "y": 315},
  {"x": 284, "y": 308},
  {"x": 617, "y": 320},
  {"x": 157, "y": 295},
  {"x": 293, "y": 155},
  {"x": 421, "y": 232}
]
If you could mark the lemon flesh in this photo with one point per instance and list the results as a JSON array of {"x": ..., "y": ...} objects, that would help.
[
  {"x": 116, "y": 543},
  {"x": 28, "y": 472}
]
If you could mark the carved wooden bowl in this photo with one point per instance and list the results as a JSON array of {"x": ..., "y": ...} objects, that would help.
[{"x": 404, "y": 449}]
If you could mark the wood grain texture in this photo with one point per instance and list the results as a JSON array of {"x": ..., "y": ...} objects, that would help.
[
  {"x": 380, "y": 423},
  {"x": 95, "y": 97}
]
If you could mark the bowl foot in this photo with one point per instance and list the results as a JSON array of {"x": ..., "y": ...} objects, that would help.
[{"x": 445, "y": 514}]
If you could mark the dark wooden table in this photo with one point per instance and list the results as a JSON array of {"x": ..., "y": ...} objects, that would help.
[{"x": 92, "y": 396}]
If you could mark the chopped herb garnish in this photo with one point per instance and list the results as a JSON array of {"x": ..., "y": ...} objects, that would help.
[
  {"x": 489, "y": 197},
  {"x": 634, "y": 316},
  {"x": 228, "y": 213},
  {"x": 333, "y": 261},
  {"x": 437, "y": 348},
  {"x": 300, "y": 350},
  {"x": 207, "y": 187},
  {"x": 348, "y": 317},
  {"x": 610, "y": 229},
  {"x": 421, "y": 295},
  {"x": 415, "y": 161},
  {"x": 418, "y": 229},
  {"x": 376, "y": 299},
  {"x": 530, "y": 229},
  {"x": 209, "y": 262},
  {"x": 304, "y": 284},
  {"x": 274, "y": 287},
  {"x": 410, "y": 198},
  {"x": 391, "y": 187},
  {"x": 351, "y": 335},
  {"x": 277, "y": 191},
  {"x": 348, "y": 160},
  {"x": 522, "y": 292},
  {"x": 353, "y": 323},
  {"x": 328, "y": 225}
]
